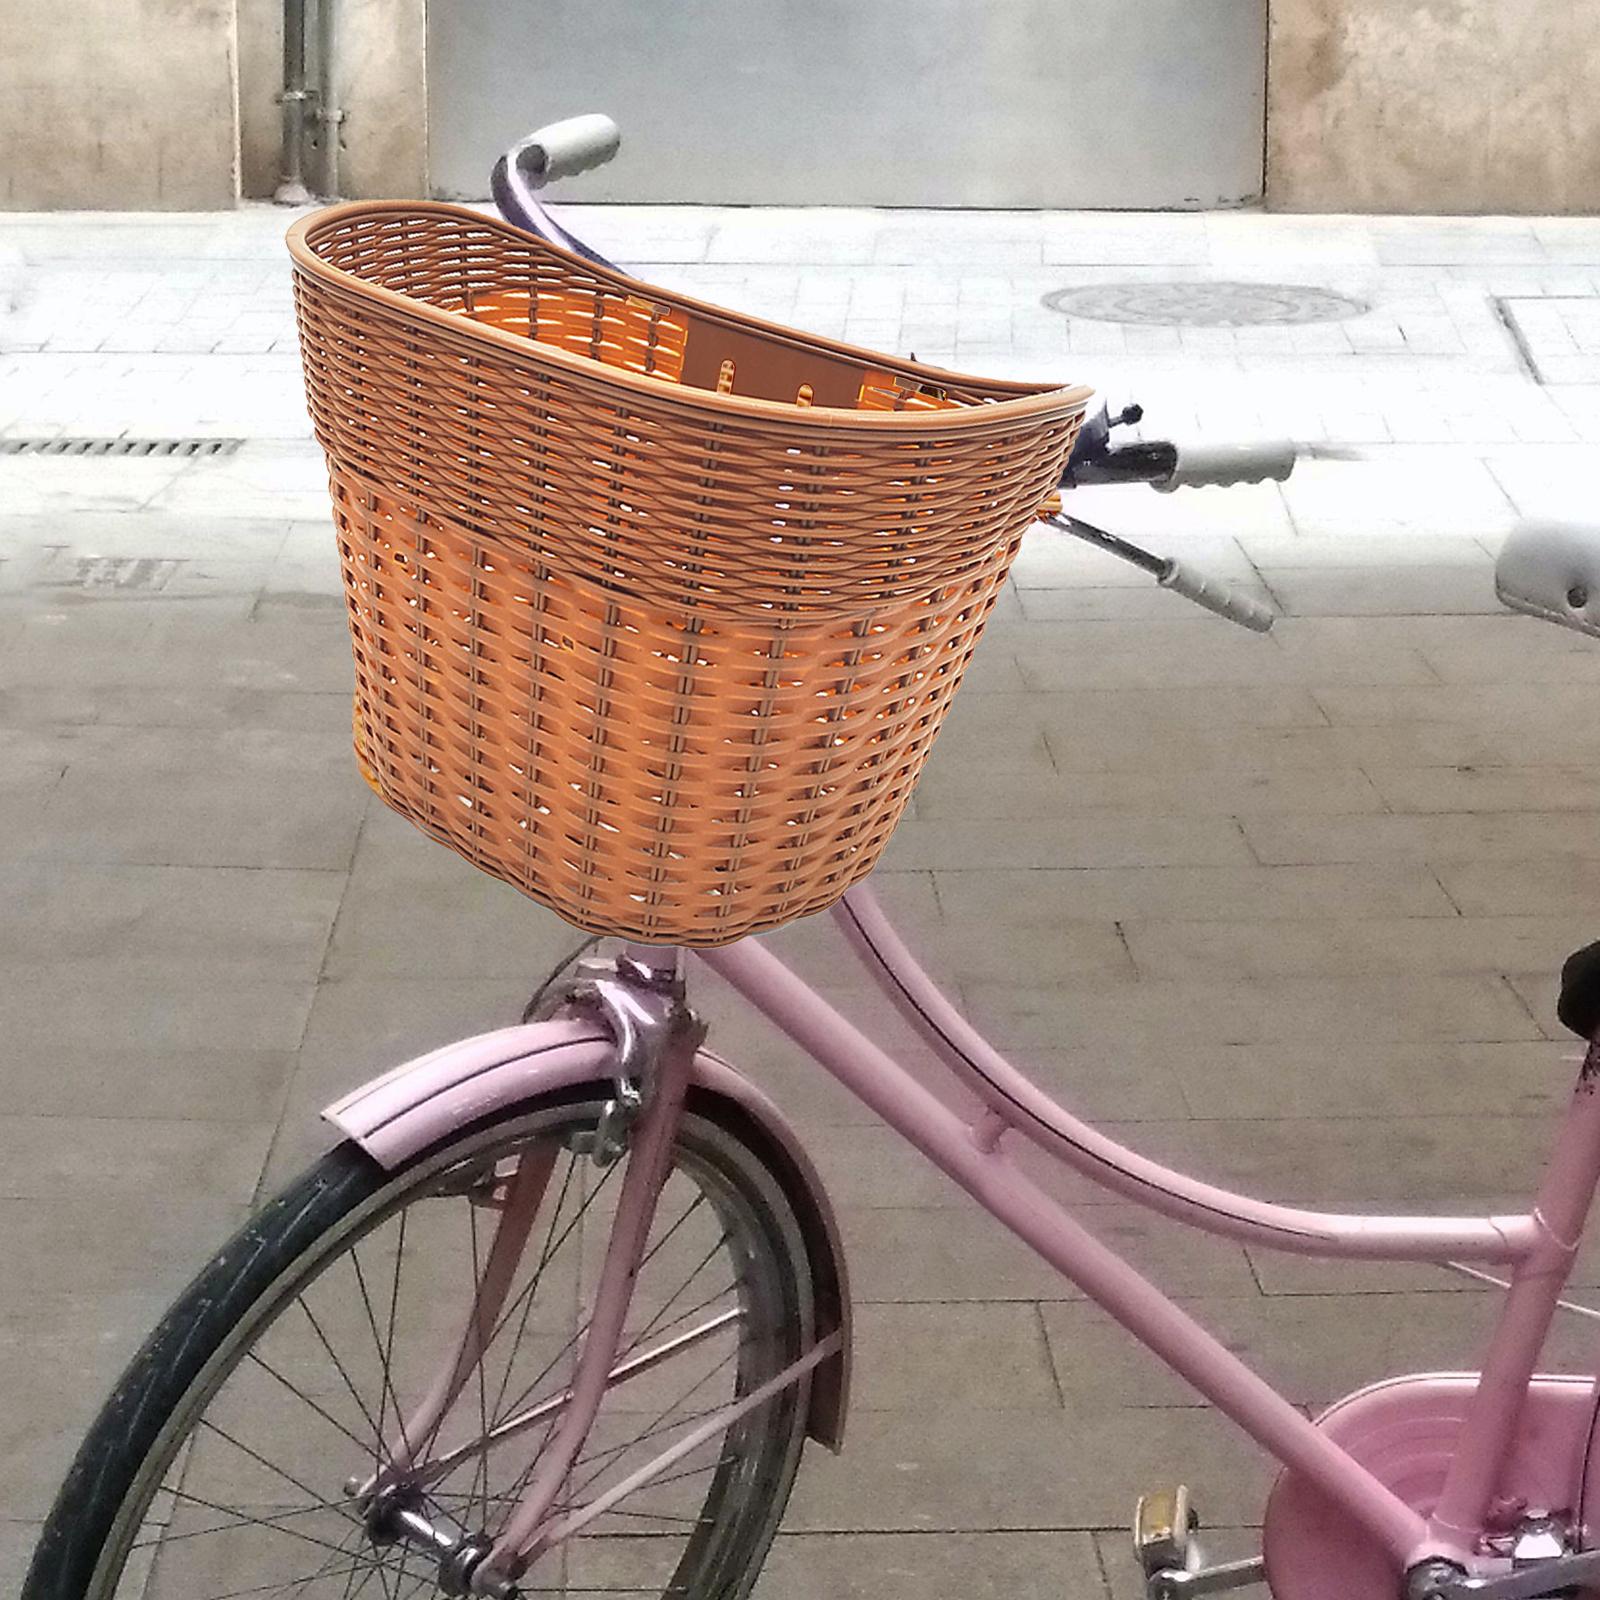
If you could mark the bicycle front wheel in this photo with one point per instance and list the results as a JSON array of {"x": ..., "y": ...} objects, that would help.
[{"x": 238, "y": 1454}]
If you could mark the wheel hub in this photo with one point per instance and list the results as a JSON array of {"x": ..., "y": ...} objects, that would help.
[{"x": 396, "y": 1515}]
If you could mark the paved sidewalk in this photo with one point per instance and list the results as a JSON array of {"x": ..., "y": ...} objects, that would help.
[{"x": 1285, "y": 909}]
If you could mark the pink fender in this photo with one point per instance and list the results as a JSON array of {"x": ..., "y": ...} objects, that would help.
[{"x": 420, "y": 1102}]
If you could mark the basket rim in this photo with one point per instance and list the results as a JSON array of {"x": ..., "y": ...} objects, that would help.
[{"x": 1028, "y": 400}]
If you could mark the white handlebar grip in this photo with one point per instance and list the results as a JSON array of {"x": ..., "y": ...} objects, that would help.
[
  {"x": 1216, "y": 596},
  {"x": 560, "y": 149},
  {"x": 1218, "y": 465},
  {"x": 1552, "y": 570}
]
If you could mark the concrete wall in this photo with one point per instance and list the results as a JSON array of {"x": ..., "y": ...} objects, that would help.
[
  {"x": 380, "y": 85},
  {"x": 1382, "y": 105},
  {"x": 129, "y": 104},
  {"x": 1434, "y": 105},
  {"x": 1119, "y": 103},
  {"x": 260, "y": 79},
  {"x": 172, "y": 104}
]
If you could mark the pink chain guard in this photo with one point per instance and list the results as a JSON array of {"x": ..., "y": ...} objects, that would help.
[{"x": 1403, "y": 1431}]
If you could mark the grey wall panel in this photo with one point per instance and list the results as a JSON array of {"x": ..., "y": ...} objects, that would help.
[{"x": 1117, "y": 103}]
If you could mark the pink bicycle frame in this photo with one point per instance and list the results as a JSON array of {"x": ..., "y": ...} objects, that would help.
[
  {"x": 1537, "y": 1246},
  {"x": 417, "y": 1104}
]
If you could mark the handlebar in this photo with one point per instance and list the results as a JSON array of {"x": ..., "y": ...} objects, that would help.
[{"x": 560, "y": 149}]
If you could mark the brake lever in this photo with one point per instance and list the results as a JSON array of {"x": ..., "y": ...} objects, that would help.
[{"x": 1180, "y": 577}]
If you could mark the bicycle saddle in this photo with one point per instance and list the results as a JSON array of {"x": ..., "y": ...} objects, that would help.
[{"x": 1579, "y": 1005}]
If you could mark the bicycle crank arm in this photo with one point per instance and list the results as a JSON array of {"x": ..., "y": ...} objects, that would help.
[
  {"x": 1559, "y": 1576},
  {"x": 1171, "y": 1582}
]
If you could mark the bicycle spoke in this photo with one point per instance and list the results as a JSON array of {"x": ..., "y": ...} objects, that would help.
[
  {"x": 517, "y": 1404},
  {"x": 241, "y": 1520},
  {"x": 653, "y": 1325},
  {"x": 381, "y": 1574},
  {"x": 327, "y": 1570},
  {"x": 290, "y": 1585},
  {"x": 351, "y": 1586},
  {"x": 339, "y": 1366},
  {"x": 528, "y": 1393},
  {"x": 481, "y": 1471},
  {"x": 525, "y": 1293},
  {"x": 420, "y": 1585},
  {"x": 272, "y": 1372},
  {"x": 659, "y": 1424},
  {"x": 387, "y": 1391},
  {"x": 546, "y": 1255},
  {"x": 255, "y": 1455},
  {"x": 388, "y": 1342},
  {"x": 659, "y": 1516},
  {"x": 614, "y": 1452}
]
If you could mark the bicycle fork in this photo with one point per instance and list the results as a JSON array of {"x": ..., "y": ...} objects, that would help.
[{"x": 639, "y": 996}]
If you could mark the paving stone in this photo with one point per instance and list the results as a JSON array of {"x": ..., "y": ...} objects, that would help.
[
  {"x": 976, "y": 796},
  {"x": 1043, "y": 898},
  {"x": 1041, "y": 1470},
  {"x": 1097, "y": 840},
  {"x": 921, "y": 1566},
  {"x": 41, "y": 1156},
  {"x": 1323, "y": 1077},
  {"x": 1361, "y": 1010},
  {"x": 1472, "y": 788},
  {"x": 1400, "y": 591},
  {"x": 411, "y": 906},
  {"x": 17, "y": 1540},
  {"x": 179, "y": 1005},
  {"x": 216, "y": 1081},
  {"x": 92, "y": 1272},
  {"x": 947, "y": 1251},
  {"x": 220, "y": 918},
  {"x": 254, "y": 798},
  {"x": 1360, "y": 947},
  {"x": 1545, "y": 706},
  {"x": 1437, "y": 837},
  {"x": 909, "y": 1355},
  {"x": 1533, "y": 885},
  {"x": 1312, "y": 1348}
]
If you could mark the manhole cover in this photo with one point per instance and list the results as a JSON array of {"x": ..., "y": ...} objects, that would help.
[{"x": 1203, "y": 305}]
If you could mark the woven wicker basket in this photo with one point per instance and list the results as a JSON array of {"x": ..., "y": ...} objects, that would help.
[{"x": 656, "y": 608}]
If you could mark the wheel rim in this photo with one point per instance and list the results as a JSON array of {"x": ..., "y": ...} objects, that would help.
[{"x": 248, "y": 1489}]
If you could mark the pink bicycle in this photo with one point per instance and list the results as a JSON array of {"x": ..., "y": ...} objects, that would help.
[{"x": 561, "y": 1309}]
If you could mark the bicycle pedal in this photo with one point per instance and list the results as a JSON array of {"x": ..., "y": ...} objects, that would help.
[{"x": 1163, "y": 1527}]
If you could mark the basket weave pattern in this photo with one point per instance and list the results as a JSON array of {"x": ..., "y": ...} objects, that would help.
[{"x": 666, "y": 658}]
